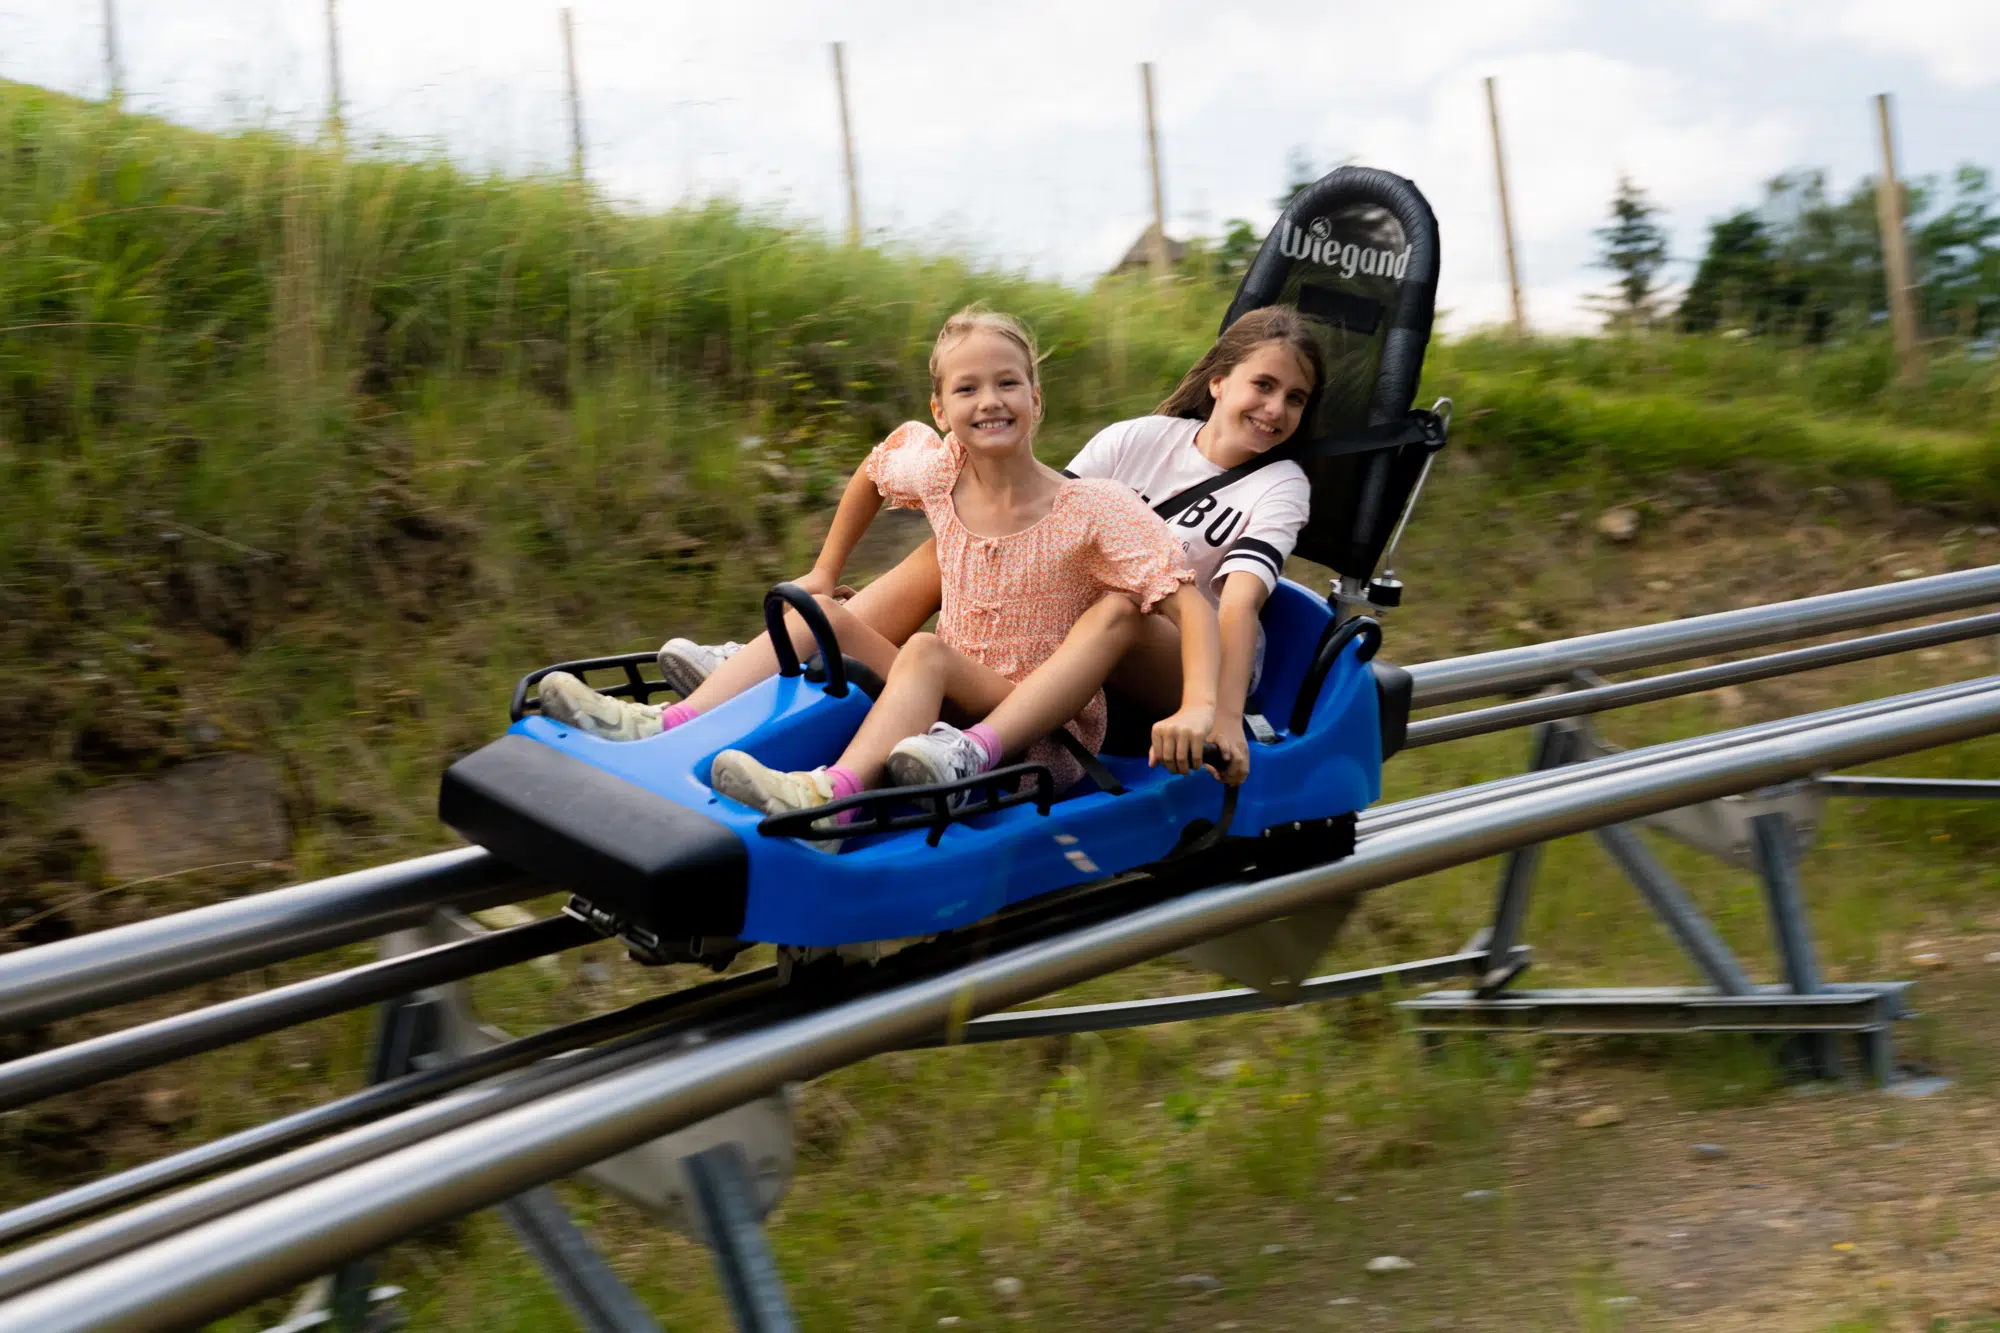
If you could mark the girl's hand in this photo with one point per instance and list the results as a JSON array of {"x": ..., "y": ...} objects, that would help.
[
  {"x": 823, "y": 585},
  {"x": 1177, "y": 740},
  {"x": 1228, "y": 737}
]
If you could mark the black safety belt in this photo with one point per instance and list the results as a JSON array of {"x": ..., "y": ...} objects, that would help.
[
  {"x": 1407, "y": 429},
  {"x": 1093, "y": 767},
  {"x": 1201, "y": 490}
]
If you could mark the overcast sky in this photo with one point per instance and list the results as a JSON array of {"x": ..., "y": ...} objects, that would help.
[{"x": 1015, "y": 131}]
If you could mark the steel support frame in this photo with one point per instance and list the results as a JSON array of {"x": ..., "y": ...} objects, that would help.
[
  {"x": 414, "y": 1031},
  {"x": 1730, "y": 1002},
  {"x": 408, "y": 1035}
]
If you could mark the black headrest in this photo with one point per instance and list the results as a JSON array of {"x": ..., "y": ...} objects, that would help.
[{"x": 1357, "y": 251}]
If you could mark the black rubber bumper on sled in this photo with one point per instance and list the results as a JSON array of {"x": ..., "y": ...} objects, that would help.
[{"x": 627, "y": 850}]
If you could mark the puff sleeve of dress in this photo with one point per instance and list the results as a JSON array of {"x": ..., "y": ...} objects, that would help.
[
  {"x": 1131, "y": 549},
  {"x": 913, "y": 466}
]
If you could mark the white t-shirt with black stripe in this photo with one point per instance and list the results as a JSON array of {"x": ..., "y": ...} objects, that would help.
[{"x": 1248, "y": 525}]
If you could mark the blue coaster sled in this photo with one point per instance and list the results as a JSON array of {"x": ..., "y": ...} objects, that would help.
[{"x": 656, "y": 856}]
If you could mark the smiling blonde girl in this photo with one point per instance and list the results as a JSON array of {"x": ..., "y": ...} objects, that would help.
[{"x": 1045, "y": 583}]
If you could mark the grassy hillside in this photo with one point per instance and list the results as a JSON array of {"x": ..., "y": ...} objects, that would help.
[{"x": 310, "y": 456}]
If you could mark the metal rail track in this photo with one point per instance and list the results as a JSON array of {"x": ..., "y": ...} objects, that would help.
[
  {"x": 147, "y": 958},
  {"x": 1455, "y": 679},
  {"x": 204, "y": 1271},
  {"x": 96, "y": 971}
]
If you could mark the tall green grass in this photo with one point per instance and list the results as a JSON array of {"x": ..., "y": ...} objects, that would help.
[{"x": 325, "y": 450}]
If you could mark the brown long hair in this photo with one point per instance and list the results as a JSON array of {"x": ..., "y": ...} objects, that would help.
[{"x": 1273, "y": 323}]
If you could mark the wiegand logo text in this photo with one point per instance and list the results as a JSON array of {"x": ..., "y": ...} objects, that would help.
[{"x": 1317, "y": 245}]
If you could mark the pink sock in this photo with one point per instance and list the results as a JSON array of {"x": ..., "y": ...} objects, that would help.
[
  {"x": 845, "y": 784},
  {"x": 674, "y": 714},
  {"x": 989, "y": 744}
]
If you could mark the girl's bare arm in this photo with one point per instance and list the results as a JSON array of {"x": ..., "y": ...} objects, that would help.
[
  {"x": 859, "y": 504},
  {"x": 1178, "y": 740},
  {"x": 1243, "y": 597}
]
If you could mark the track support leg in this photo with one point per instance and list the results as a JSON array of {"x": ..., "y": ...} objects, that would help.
[
  {"x": 1776, "y": 847},
  {"x": 1556, "y": 744},
  {"x": 601, "y": 1302},
  {"x": 719, "y": 1178},
  {"x": 1675, "y": 909}
]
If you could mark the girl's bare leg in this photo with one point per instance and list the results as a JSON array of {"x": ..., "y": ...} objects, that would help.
[
  {"x": 1150, "y": 671},
  {"x": 891, "y": 608},
  {"x": 1058, "y": 689},
  {"x": 923, "y": 674}
]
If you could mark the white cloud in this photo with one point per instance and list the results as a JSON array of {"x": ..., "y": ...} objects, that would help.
[
  {"x": 1957, "y": 41},
  {"x": 1017, "y": 131}
]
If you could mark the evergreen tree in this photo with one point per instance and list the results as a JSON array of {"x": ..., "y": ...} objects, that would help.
[{"x": 1635, "y": 248}]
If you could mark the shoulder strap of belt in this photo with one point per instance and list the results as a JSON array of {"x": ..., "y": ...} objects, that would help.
[{"x": 1406, "y": 429}]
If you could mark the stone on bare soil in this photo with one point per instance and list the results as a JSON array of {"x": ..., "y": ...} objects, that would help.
[
  {"x": 1934, "y": 961},
  {"x": 1389, "y": 1263},
  {"x": 1597, "y": 1117},
  {"x": 1198, "y": 1282},
  {"x": 1620, "y": 524},
  {"x": 1710, "y": 1151},
  {"x": 1480, "y": 1196},
  {"x": 226, "y": 810},
  {"x": 1009, "y": 1288},
  {"x": 164, "y": 1107}
]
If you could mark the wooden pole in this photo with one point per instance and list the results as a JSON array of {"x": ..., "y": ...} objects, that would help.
[
  {"x": 113, "y": 78},
  {"x": 1156, "y": 240},
  {"x": 1896, "y": 253},
  {"x": 575, "y": 98},
  {"x": 335, "y": 121},
  {"x": 847, "y": 148},
  {"x": 1506, "y": 212}
]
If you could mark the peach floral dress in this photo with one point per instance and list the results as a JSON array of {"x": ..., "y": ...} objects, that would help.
[{"x": 1010, "y": 601}]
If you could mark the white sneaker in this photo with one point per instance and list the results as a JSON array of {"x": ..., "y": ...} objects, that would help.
[
  {"x": 686, "y": 664},
  {"x": 741, "y": 778},
  {"x": 574, "y": 704},
  {"x": 942, "y": 754}
]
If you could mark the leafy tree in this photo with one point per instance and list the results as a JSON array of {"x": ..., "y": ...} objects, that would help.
[
  {"x": 1732, "y": 287},
  {"x": 1237, "y": 248},
  {"x": 1299, "y": 173},
  {"x": 1805, "y": 265},
  {"x": 1635, "y": 248}
]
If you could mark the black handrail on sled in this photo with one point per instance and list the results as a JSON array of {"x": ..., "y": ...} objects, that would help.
[
  {"x": 1331, "y": 645},
  {"x": 873, "y": 809},
  {"x": 809, "y": 611},
  {"x": 634, "y": 687},
  {"x": 1033, "y": 782}
]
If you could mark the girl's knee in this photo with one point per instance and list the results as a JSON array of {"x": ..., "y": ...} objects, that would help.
[{"x": 924, "y": 651}]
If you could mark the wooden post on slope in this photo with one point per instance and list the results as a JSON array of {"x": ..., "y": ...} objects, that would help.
[
  {"x": 1896, "y": 253},
  {"x": 113, "y": 78},
  {"x": 1156, "y": 240},
  {"x": 335, "y": 118},
  {"x": 575, "y": 99},
  {"x": 1506, "y": 212},
  {"x": 847, "y": 147}
]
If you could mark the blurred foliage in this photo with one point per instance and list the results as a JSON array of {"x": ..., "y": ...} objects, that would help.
[{"x": 1805, "y": 265}]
